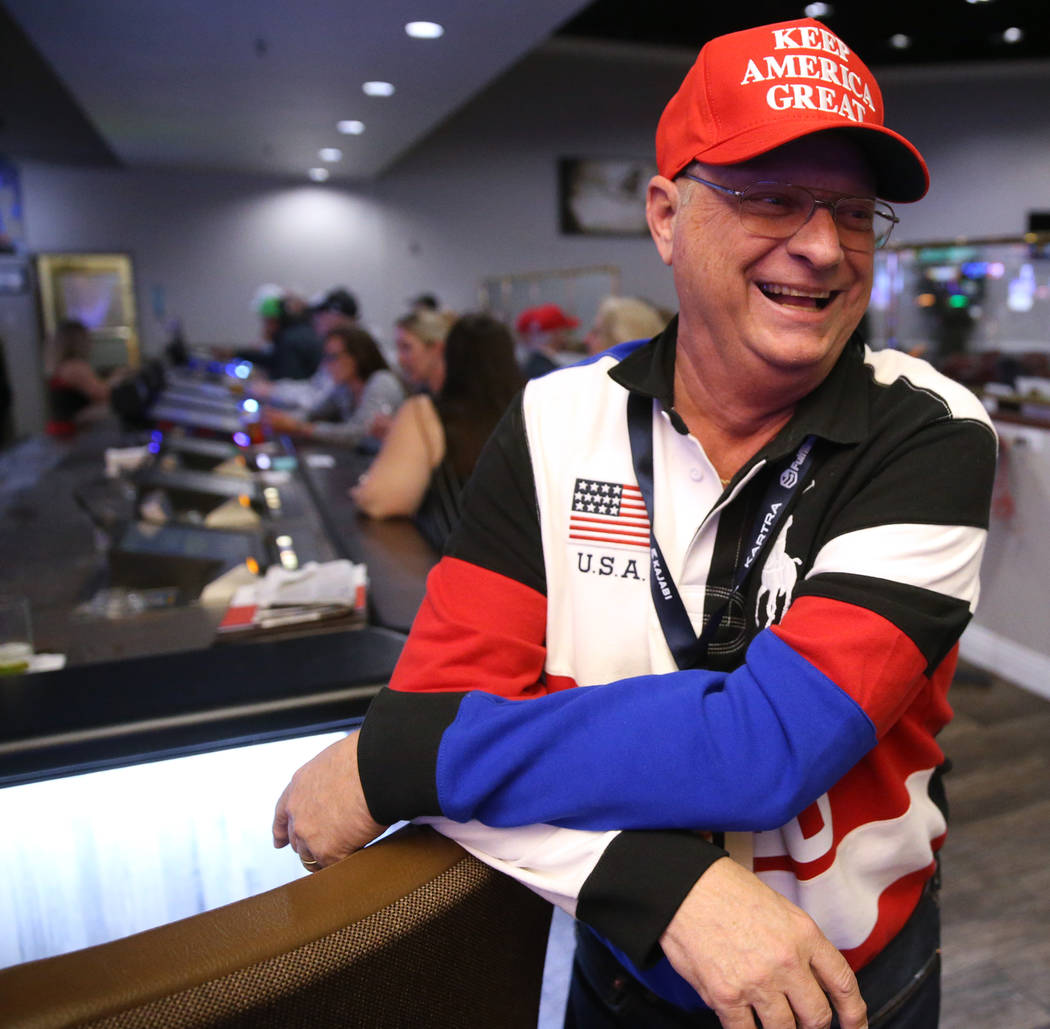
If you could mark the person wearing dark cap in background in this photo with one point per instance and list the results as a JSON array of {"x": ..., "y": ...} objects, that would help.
[
  {"x": 336, "y": 309},
  {"x": 543, "y": 332},
  {"x": 712, "y": 586},
  {"x": 425, "y": 302}
]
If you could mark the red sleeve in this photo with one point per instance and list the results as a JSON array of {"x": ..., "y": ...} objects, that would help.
[
  {"x": 476, "y": 630},
  {"x": 862, "y": 652}
]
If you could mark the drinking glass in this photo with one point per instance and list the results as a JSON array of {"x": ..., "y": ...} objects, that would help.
[{"x": 16, "y": 635}]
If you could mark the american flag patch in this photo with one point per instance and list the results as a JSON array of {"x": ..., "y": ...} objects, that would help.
[{"x": 608, "y": 512}]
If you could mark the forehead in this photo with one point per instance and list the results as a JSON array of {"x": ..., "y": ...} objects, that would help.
[{"x": 825, "y": 160}]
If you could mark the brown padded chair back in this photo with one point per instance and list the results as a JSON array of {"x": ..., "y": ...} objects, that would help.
[{"x": 409, "y": 932}]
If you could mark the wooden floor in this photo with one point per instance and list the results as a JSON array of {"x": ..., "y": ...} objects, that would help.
[
  {"x": 996, "y": 865},
  {"x": 996, "y": 896}
]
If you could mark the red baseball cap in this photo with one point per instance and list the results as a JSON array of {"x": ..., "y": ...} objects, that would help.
[
  {"x": 545, "y": 318},
  {"x": 757, "y": 89}
]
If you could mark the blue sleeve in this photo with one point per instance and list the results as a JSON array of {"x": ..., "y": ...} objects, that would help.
[{"x": 745, "y": 750}]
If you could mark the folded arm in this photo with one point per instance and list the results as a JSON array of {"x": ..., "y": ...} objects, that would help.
[{"x": 879, "y": 612}]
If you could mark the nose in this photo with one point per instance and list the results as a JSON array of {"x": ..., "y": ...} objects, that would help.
[{"x": 817, "y": 239}]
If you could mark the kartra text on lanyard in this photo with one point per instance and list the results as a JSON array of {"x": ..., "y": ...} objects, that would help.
[{"x": 688, "y": 649}]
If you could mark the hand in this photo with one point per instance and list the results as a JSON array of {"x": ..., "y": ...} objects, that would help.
[
  {"x": 322, "y": 812},
  {"x": 380, "y": 427},
  {"x": 749, "y": 951},
  {"x": 282, "y": 421},
  {"x": 260, "y": 388},
  {"x": 354, "y": 492}
]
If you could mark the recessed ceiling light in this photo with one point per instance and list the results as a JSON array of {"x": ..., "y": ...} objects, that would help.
[
  {"x": 318, "y": 174},
  {"x": 424, "y": 30},
  {"x": 378, "y": 88},
  {"x": 818, "y": 10},
  {"x": 899, "y": 41},
  {"x": 1013, "y": 35},
  {"x": 351, "y": 127},
  {"x": 978, "y": 1},
  {"x": 330, "y": 153}
]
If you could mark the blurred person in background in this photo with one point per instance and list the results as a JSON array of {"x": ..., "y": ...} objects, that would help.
[
  {"x": 620, "y": 319},
  {"x": 434, "y": 443},
  {"x": 420, "y": 345},
  {"x": 336, "y": 309},
  {"x": 425, "y": 302},
  {"x": 543, "y": 332},
  {"x": 6, "y": 400},
  {"x": 362, "y": 388},
  {"x": 75, "y": 392},
  {"x": 292, "y": 349}
]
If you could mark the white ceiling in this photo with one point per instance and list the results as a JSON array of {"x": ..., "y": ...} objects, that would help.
[{"x": 257, "y": 86}]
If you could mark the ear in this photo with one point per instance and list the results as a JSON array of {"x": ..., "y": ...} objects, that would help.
[{"x": 662, "y": 200}]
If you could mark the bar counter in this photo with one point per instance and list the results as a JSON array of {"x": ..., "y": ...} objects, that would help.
[
  {"x": 152, "y": 685},
  {"x": 89, "y": 717}
]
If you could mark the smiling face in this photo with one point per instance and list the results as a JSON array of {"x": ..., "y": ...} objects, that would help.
[{"x": 767, "y": 312}]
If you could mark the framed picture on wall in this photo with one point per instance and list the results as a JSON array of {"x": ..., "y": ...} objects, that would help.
[
  {"x": 98, "y": 290},
  {"x": 603, "y": 196}
]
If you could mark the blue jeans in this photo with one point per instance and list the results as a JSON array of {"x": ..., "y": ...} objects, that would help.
[{"x": 902, "y": 985}]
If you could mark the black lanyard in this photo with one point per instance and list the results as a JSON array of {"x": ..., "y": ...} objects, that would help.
[{"x": 690, "y": 650}]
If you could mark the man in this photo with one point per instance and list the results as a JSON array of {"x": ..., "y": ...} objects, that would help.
[
  {"x": 336, "y": 309},
  {"x": 728, "y": 568},
  {"x": 543, "y": 332},
  {"x": 292, "y": 349}
]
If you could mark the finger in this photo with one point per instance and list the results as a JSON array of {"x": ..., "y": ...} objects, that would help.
[
  {"x": 812, "y": 1013},
  {"x": 840, "y": 984},
  {"x": 808, "y": 1002},
  {"x": 810, "y": 1007},
  {"x": 776, "y": 1013},
  {"x": 280, "y": 821},
  {"x": 312, "y": 853},
  {"x": 294, "y": 841},
  {"x": 736, "y": 1018}
]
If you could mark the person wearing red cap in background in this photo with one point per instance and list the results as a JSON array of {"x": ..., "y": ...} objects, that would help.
[
  {"x": 726, "y": 570},
  {"x": 543, "y": 332}
]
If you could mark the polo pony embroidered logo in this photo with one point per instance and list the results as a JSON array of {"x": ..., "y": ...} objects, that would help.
[
  {"x": 779, "y": 576},
  {"x": 608, "y": 513}
]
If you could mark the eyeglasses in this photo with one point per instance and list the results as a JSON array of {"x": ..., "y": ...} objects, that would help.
[{"x": 777, "y": 210}]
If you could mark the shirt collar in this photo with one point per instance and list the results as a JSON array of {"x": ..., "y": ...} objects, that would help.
[{"x": 835, "y": 410}]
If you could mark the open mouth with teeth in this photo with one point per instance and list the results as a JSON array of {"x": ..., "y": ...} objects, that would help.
[{"x": 787, "y": 296}]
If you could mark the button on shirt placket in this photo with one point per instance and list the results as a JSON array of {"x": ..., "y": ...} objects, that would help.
[{"x": 688, "y": 525}]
